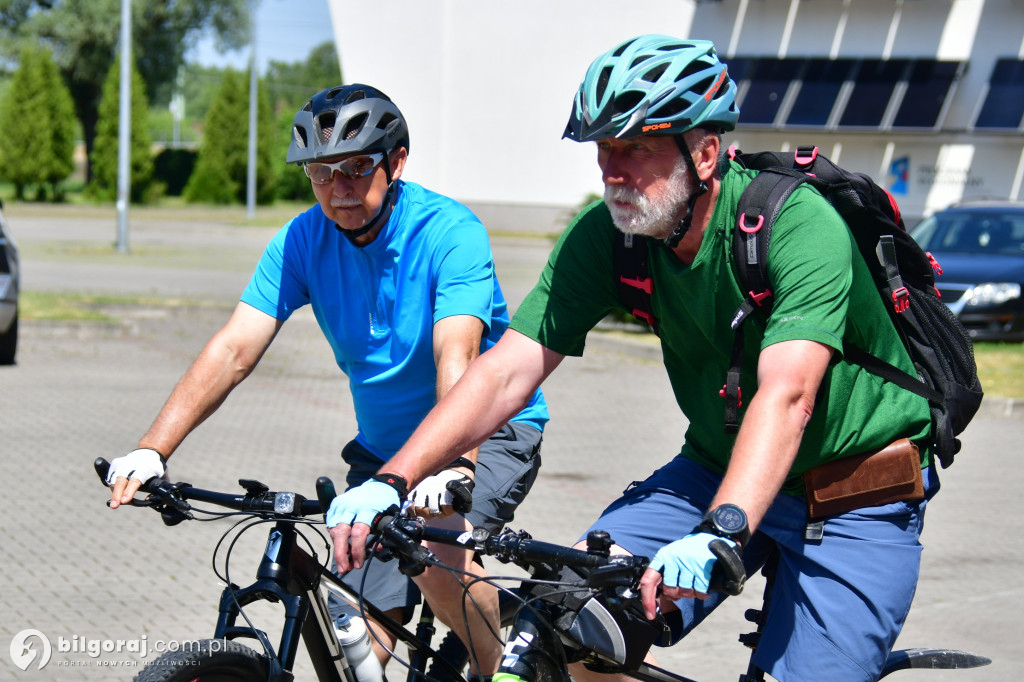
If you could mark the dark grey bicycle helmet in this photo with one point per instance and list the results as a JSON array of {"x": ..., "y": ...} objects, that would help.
[
  {"x": 347, "y": 119},
  {"x": 653, "y": 84}
]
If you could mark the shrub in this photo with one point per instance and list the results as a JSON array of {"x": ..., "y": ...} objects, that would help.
[
  {"x": 173, "y": 167},
  {"x": 37, "y": 126},
  {"x": 104, "y": 156}
]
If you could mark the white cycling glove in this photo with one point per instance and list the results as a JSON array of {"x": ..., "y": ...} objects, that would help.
[
  {"x": 142, "y": 465},
  {"x": 449, "y": 488}
]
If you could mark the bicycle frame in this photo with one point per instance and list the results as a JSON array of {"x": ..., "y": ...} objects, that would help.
[{"x": 290, "y": 575}]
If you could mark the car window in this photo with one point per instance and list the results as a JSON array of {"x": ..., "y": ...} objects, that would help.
[{"x": 986, "y": 232}]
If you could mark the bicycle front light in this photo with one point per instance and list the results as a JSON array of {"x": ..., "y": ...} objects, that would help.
[{"x": 284, "y": 503}]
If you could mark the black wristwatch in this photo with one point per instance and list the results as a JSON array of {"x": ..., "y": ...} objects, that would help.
[{"x": 726, "y": 521}]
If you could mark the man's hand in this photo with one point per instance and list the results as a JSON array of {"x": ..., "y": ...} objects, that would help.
[
  {"x": 686, "y": 565},
  {"x": 446, "y": 492},
  {"x": 127, "y": 474},
  {"x": 349, "y": 519}
]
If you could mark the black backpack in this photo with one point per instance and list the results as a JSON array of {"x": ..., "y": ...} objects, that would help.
[{"x": 937, "y": 342}]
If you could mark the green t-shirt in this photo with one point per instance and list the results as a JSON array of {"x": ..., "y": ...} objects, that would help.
[{"x": 822, "y": 292}]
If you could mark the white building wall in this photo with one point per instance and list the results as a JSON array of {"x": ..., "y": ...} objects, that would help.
[{"x": 487, "y": 88}]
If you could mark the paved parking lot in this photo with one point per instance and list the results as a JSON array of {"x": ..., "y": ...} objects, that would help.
[{"x": 83, "y": 575}]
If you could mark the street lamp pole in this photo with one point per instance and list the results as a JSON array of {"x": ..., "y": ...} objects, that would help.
[
  {"x": 124, "y": 128},
  {"x": 250, "y": 188}
]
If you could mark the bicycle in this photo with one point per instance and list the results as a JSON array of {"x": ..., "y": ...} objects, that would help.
[
  {"x": 289, "y": 573},
  {"x": 584, "y": 606}
]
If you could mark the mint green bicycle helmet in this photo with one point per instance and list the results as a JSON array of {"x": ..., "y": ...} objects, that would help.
[{"x": 653, "y": 84}]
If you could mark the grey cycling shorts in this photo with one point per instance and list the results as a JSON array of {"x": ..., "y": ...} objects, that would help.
[{"x": 506, "y": 469}]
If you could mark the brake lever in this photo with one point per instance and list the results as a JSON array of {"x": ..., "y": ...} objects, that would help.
[{"x": 612, "y": 575}]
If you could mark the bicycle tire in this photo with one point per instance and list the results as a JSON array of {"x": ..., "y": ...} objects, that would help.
[{"x": 212, "y": 660}]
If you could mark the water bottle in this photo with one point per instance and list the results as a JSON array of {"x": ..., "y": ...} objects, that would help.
[{"x": 355, "y": 641}]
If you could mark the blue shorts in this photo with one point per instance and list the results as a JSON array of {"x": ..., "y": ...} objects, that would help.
[
  {"x": 506, "y": 469},
  {"x": 838, "y": 603}
]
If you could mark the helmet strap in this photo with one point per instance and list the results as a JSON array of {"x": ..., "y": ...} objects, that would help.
[{"x": 702, "y": 187}]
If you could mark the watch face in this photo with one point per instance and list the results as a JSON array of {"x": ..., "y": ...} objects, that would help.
[{"x": 730, "y": 518}]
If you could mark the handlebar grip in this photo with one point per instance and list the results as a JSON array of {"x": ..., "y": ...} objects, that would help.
[
  {"x": 728, "y": 574},
  {"x": 325, "y": 493},
  {"x": 462, "y": 497},
  {"x": 102, "y": 468}
]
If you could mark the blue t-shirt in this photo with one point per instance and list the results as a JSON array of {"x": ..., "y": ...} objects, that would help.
[{"x": 377, "y": 304}]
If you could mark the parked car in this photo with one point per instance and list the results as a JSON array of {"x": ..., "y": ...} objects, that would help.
[
  {"x": 980, "y": 248},
  {"x": 9, "y": 287}
]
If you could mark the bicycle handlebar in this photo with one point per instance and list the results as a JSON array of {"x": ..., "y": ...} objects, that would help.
[
  {"x": 403, "y": 536},
  {"x": 171, "y": 499}
]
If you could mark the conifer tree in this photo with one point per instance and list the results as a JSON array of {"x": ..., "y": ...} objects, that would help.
[
  {"x": 104, "y": 159},
  {"x": 292, "y": 183},
  {"x": 221, "y": 170},
  {"x": 37, "y": 126}
]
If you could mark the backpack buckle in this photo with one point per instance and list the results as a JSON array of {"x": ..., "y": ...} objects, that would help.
[
  {"x": 750, "y": 229},
  {"x": 739, "y": 394},
  {"x": 900, "y": 300},
  {"x": 646, "y": 317},
  {"x": 759, "y": 298},
  {"x": 934, "y": 263},
  {"x": 805, "y": 156},
  {"x": 645, "y": 285}
]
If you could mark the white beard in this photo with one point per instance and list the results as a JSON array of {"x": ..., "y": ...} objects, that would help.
[{"x": 656, "y": 217}]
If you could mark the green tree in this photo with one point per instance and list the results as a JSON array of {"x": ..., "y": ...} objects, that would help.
[
  {"x": 105, "y": 151},
  {"x": 84, "y": 36},
  {"x": 222, "y": 168},
  {"x": 37, "y": 126},
  {"x": 292, "y": 183},
  {"x": 291, "y": 84}
]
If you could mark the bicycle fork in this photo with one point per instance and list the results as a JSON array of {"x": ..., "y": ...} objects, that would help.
[{"x": 287, "y": 575}]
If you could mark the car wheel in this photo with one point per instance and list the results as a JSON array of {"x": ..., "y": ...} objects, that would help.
[{"x": 9, "y": 343}]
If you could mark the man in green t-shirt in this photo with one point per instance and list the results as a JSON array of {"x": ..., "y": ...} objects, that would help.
[{"x": 656, "y": 106}]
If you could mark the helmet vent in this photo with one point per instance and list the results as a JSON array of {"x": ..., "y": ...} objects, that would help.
[
  {"x": 355, "y": 97},
  {"x": 385, "y": 121},
  {"x": 326, "y": 122},
  {"x": 354, "y": 125},
  {"x": 627, "y": 100},
  {"x": 672, "y": 108},
  {"x": 673, "y": 47},
  {"x": 654, "y": 74},
  {"x": 299, "y": 133},
  {"x": 309, "y": 106},
  {"x": 705, "y": 85},
  {"x": 602, "y": 82},
  {"x": 331, "y": 94},
  {"x": 622, "y": 48},
  {"x": 691, "y": 68}
]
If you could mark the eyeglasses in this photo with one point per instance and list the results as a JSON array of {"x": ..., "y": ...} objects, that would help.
[{"x": 353, "y": 168}]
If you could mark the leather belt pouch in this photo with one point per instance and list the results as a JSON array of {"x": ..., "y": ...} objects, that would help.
[{"x": 883, "y": 476}]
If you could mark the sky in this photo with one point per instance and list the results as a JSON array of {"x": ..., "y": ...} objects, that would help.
[{"x": 286, "y": 31}]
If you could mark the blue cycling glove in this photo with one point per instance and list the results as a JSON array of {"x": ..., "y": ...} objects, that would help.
[
  {"x": 687, "y": 563},
  {"x": 362, "y": 504}
]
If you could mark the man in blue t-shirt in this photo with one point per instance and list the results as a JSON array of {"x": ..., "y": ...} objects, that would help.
[{"x": 402, "y": 283}]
